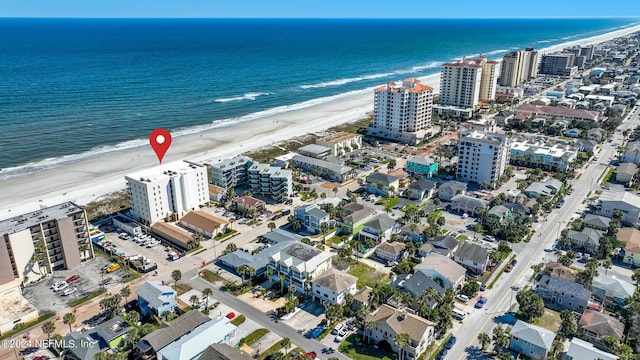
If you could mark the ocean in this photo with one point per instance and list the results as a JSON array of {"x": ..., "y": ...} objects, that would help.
[{"x": 73, "y": 88}]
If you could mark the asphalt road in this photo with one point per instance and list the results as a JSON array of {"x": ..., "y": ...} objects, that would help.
[
  {"x": 501, "y": 296},
  {"x": 261, "y": 318}
]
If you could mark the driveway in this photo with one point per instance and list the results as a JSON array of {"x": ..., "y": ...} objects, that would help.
[{"x": 308, "y": 317}]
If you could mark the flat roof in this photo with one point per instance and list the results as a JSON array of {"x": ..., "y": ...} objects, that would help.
[
  {"x": 164, "y": 171},
  {"x": 339, "y": 137},
  {"x": 14, "y": 306},
  {"x": 28, "y": 220}
]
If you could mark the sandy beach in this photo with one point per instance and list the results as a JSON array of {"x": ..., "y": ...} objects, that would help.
[{"x": 88, "y": 179}]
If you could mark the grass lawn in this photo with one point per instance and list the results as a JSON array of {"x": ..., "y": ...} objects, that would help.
[
  {"x": 461, "y": 238},
  {"x": 254, "y": 336},
  {"x": 388, "y": 202},
  {"x": 211, "y": 277},
  {"x": 550, "y": 320},
  {"x": 182, "y": 288},
  {"x": 238, "y": 320},
  {"x": 351, "y": 348},
  {"x": 367, "y": 276},
  {"x": 226, "y": 234}
]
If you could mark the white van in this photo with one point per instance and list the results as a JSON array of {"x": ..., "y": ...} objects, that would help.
[{"x": 458, "y": 315}]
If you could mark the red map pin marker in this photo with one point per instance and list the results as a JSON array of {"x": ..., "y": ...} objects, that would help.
[{"x": 160, "y": 140}]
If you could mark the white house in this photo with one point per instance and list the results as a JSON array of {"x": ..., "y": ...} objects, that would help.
[
  {"x": 624, "y": 201},
  {"x": 299, "y": 263},
  {"x": 333, "y": 285}
]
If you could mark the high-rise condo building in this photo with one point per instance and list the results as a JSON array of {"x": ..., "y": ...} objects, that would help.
[
  {"x": 35, "y": 244},
  {"x": 163, "y": 191},
  {"x": 466, "y": 82},
  {"x": 558, "y": 64},
  {"x": 482, "y": 156},
  {"x": 270, "y": 181},
  {"x": 232, "y": 172},
  {"x": 518, "y": 66},
  {"x": 402, "y": 113}
]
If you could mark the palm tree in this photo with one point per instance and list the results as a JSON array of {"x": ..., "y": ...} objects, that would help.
[
  {"x": 286, "y": 342},
  {"x": 125, "y": 292},
  {"x": 207, "y": 292},
  {"x": 324, "y": 227},
  {"x": 335, "y": 190},
  {"x": 500, "y": 337},
  {"x": 270, "y": 272},
  {"x": 484, "y": 339},
  {"x": 194, "y": 300},
  {"x": 176, "y": 275},
  {"x": 281, "y": 278},
  {"x": 38, "y": 255},
  {"x": 132, "y": 317},
  {"x": 606, "y": 264},
  {"x": 368, "y": 325},
  {"x": 48, "y": 328},
  {"x": 402, "y": 340},
  {"x": 271, "y": 225},
  {"x": 68, "y": 319},
  {"x": 195, "y": 240}
]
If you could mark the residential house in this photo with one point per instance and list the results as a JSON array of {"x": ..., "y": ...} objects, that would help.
[
  {"x": 628, "y": 203},
  {"x": 612, "y": 291},
  {"x": 356, "y": 215},
  {"x": 391, "y": 322},
  {"x": 378, "y": 229},
  {"x": 207, "y": 224},
  {"x": 558, "y": 270},
  {"x": 416, "y": 284},
  {"x": 543, "y": 188},
  {"x": 154, "y": 298},
  {"x": 333, "y": 285},
  {"x": 582, "y": 350},
  {"x": 191, "y": 345},
  {"x": 390, "y": 251},
  {"x": 473, "y": 257},
  {"x": 468, "y": 204},
  {"x": 596, "y": 325},
  {"x": 361, "y": 298},
  {"x": 596, "y": 134},
  {"x": 216, "y": 193},
  {"x": 311, "y": 216},
  {"x": 341, "y": 142},
  {"x": 258, "y": 262},
  {"x": 449, "y": 189},
  {"x": 561, "y": 294},
  {"x": 574, "y": 133},
  {"x": 422, "y": 165},
  {"x": 587, "y": 240},
  {"x": 586, "y": 145},
  {"x": 596, "y": 222},
  {"x": 631, "y": 237},
  {"x": 103, "y": 337},
  {"x": 299, "y": 263},
  {"x": 328, "y": 170},
  {"x": 500, "y": 213},
  {"x": 413, "y": 232},
  {"x": 517, "y": 209},
  {"x": 444, "y": 244},
  {"x": 539, "y": 153},
  {"x": 442, "y": 267},
  {"x": 632, "y": 154},
  {"x": 382, "y": 184},
  {"x": 315, "y": 151},
  {"x": 530, "y": 340},
  {"x": 504, "y": 117},
  {"x": 421, "y": 189},
  {"x": 249, "y": 205},
  {"x": 224, "y": 352},
  {"x": 151, "y": 343},
  {"x": 625, "y": 173},
  {"x": 403, "y": 177}
]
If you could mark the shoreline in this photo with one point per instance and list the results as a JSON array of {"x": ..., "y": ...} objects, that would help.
[{"x": 87, "y": 179}]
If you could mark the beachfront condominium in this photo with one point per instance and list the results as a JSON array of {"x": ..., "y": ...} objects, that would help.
[
  {"x": 402, "y": 112},
  {"x": 468, "y": 81},
  {"x": 34, "y": 244},
  {"x": 270, "y": 181},
  {"x": 341, "y": 143},
  {"x": 232, "y": 172},
  {"x": 167, "y": 190},
  {"x": 518, "y": 66},
  {"x": 482, "y": 157},
  {"x": 561, "y": 64}
]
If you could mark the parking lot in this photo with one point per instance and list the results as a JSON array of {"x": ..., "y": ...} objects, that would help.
[{"x": 45, "y": 299}]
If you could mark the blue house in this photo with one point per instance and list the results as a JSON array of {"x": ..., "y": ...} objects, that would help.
[
  {"x": 156, "y": 298},
  {"x": 530, "y": 340},
  {"x": 422, "y": 165}
]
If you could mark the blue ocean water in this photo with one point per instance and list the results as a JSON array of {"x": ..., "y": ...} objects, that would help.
[{"x": 73, "y": 88}]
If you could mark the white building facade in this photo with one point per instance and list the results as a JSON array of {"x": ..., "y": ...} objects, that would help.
[
  {"x": 402, "y": 113},
  {"x": 162, "y": 191},
  {"x": 482, "y": 156},
  {"x": 270, "y": 181}
]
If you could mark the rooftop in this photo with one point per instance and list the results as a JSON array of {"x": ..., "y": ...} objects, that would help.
[
  {"x": 28, "y": 220},
  {"x": 231, "y": 163},
  {"x": 335, "y": 280},
  {"x": 172, "y": 231},
  {"x": 164, "y": 172},
  {"x": 339, "y": 137},
  {"x": 13, "y": 306},
  {"x": 533, "y": 334},
  {"x": 203, "y": 220},
  {"x": 603, "y": 325}
]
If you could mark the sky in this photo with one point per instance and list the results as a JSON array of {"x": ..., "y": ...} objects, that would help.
[{"x": 316, "y": 8}]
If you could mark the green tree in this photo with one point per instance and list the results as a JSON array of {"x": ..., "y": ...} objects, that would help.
[
  {"x": 402, "y": 340},
  {"x": 69, "y": 319},
  {"x": 125, "y": 292},
  {"x": 230, "y": 248},
  {"x": 568, "y": 326},
  {"x": 324, "y": 227},
  {"x": 470, "y": 288},
  {"x": 530, "y": 305},
  {"x": 285, "y": 343},
  {"x": 207, "y": 292},
  {"x": 48, "y": 328},
  {"x": 271, "y": 225},
  {"x": 484, "y": 339},
  {"x": 281, "y": 278},
  {"x": 193, "y": 299},
  {"x": 500, "y": 337},
  {"x": 556, "y": 349},
  {"x": 176, "y": 275},
  {"x": 132, "y": 317},
  {"x": 195, "y": 240}
]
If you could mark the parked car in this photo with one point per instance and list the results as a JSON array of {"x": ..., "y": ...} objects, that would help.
[
  {"x": 463, "y": 298},
  {"x": 449, "y": 344},
  {"x": 508, "y": 268},
  {"x": 231, "y": 315},
  {"x": 480, "y": 303},
  {"x": 73, "y": 278},
  {"x": 113, "y": 267},
  {"x": 442, "y": 354},
  {"x": 514, "y": 262},
  {"x": 69, "y": 291},
  {"x": 60, "y": 285},
  {"x": 337, "y": 329}
]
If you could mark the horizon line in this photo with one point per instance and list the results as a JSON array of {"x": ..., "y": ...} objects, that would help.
[{"x": 325, "y": 18}]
